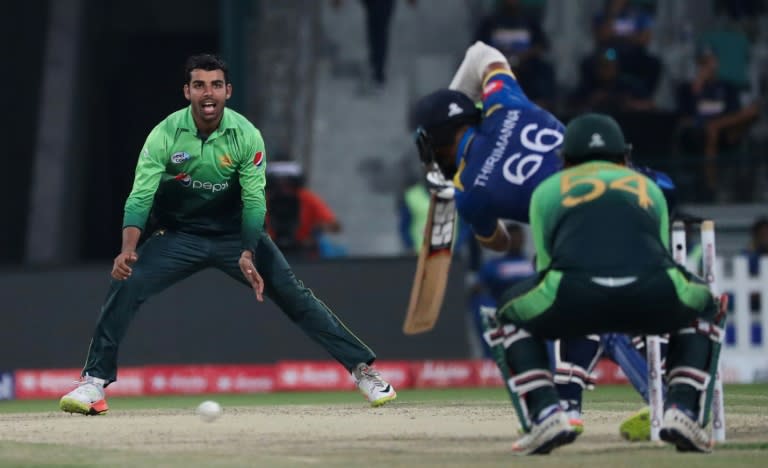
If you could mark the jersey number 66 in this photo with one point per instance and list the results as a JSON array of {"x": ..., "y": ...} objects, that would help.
[{"x": 526, "y": 166}]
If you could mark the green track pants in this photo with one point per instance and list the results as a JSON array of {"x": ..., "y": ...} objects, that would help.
[{"x": 168, "y": 257}]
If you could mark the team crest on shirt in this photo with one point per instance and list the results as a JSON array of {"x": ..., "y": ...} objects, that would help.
[
  {"x": 225, "y": 160},
  {"x": 492, "y": 87},
  {"x": 180, "y": 157},
  {"x": 258, "y": 158}
]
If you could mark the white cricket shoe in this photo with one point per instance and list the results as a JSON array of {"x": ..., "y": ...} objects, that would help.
[
  {"x": 88, "y": 398},
  {"x": 375, "y": 389},
  {"x": 572, "y": 410},
  {"x": 551, "y": 431},
  {"x": 681, "y": 429}
]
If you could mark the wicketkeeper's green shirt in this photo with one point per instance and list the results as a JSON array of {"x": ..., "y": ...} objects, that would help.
[
  {"x": 600, "y": 218},
  {"x": 205, "y": 186}
]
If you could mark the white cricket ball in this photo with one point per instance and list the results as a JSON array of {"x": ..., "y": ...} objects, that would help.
[{"x": 209, "y": 410}]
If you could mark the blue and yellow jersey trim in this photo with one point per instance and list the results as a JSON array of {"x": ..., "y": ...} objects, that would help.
[
  {"x": 501, "y": 90},
  {"x": 464, "y": 143},
  {"x": 487, "y": 239},
  {"x": 497, "y": 72}
]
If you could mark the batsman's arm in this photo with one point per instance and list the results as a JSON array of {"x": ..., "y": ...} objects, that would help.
[
  {"x": 480, "y": 60},
  {"x": 488, "y": 230},
  {"x": 149, "y": 170},
  {"x": 498, "y": 241},
  {"x": 252, "y": 169}
]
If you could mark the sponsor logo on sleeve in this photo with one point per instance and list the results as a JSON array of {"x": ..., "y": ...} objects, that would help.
[
  {"x": 258, "y": 158},
  {"x": 180, "y": 157},
  {"x": 492, "y": 87}
]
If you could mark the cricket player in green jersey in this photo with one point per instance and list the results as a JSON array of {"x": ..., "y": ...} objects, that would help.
[
  {"x": 601, "y": 232},
  {"x": 201, "y": 176}
]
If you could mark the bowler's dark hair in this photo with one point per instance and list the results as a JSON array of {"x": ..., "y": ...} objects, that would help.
[{"x": 206, "y": 62}]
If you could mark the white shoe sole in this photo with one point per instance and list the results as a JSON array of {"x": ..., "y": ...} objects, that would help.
[
  {"x": 72, "y": 405},
  {"x": 555, "y": 432},
  {"x": 679, "y": 430}
]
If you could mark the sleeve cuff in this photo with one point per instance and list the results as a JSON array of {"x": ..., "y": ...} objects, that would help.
[
  {"x": 136, "y": 221},
  {"x": 494, "y": 73}
]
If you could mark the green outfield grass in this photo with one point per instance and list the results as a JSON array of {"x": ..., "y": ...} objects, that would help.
[
  {"x": 747, "y": 445},
  {"x": 739, "y": 398}
]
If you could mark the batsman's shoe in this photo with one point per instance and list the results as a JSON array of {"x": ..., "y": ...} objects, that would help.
[
  {"x": 637, "y": 427},
  {"x": 681, "y": 429},
  {"x": 573, "y": 412},
  {"x": 375, "y": 389},
  {"x": 88, "y": 398},
  {"x": 551, "y": 431},
  {"x": 575, "y": 421}
]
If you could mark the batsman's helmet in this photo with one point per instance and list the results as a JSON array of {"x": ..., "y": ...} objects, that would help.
[
  {"x": 436, "y": 118},
  {"x": 594, "y": 136}
]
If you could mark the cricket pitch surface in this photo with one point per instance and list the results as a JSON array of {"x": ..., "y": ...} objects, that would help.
[{"x": 474, "y": 434}]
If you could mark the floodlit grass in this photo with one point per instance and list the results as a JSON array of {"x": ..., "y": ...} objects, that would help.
[
  {"x": 739, "y": 398},
  {"x": 258, "y": 430}
]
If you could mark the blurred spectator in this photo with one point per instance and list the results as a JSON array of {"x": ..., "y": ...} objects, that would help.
[
  {"x": 729, "y": 42},
  {"x": 378, "y": 17},
  {"x": 713, "y": 121},
  {"x": 744, "y": 12},
  {"x": 626, "y": 28},
  {"x": 758, "y": 247},
  {"x": 297, "y": 218},
  {"x": 606, "y": 88},
  {"x": 412, "y": 211},
  {"x": 519, "y": 36},
  {"x": 739, "y": 9}
]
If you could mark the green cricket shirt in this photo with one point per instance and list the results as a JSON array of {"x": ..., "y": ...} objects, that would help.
[
  {"x": 600, "y": 218},
  {"x": 209, "y": 186}
]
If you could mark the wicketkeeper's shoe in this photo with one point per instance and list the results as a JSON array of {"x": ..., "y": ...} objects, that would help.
[
  {"x": 375, "y": 389},
  {"x": 637, "y": 427},
  {"x": 88, "y": 398},
  {"x": 681, "y": 429},
  {"x": 550, "y": 431}
]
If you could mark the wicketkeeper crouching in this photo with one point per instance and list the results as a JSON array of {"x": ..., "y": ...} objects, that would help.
[{"x": 601, "y": 232}]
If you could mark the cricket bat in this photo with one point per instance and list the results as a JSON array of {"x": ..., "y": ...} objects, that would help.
[{"x": 432, "y": 268}]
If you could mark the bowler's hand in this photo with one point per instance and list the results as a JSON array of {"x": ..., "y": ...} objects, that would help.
[
  {"x": 253, "y": 276},
  {"x": 121, "y": 268}
]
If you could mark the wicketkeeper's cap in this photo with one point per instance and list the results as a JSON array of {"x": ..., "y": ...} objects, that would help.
[
  {"x": 592, "y": 136},
  {"x": 442, "y": 111}
]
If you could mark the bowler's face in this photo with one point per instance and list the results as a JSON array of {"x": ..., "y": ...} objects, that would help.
[{"x": 208, "y": 94}]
